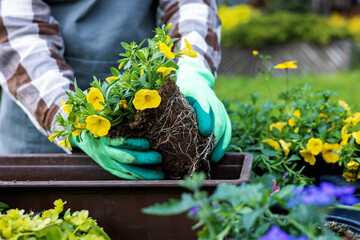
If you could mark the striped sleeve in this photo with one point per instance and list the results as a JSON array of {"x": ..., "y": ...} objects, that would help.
[
  {"x": 32, "y": 68},
  {"x": 198, "y": 22}
]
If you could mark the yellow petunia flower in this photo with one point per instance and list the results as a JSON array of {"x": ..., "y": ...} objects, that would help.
[
  {"x": 272, "y": 143},
  {"x": 279, "y": 126},
  {"x": 345, "y": 138},
  {"x": 285, "y": 146},
  {"x": 123, "y": 104},
  {"x": 110, "y": 79},
  {"x": 95, "y": 97},
  {"x": 165, "y": 70},
  {"x": 145, "y": 98},
  {"x": 356, "y": 136},
  {"x": 65, "y": 143},
  {"x": 352, "y": 165},
  {"x": 166, "y": 50},
  {"x": 292, "y": 120},
  {"x": 308, "y": 156},
  {"x": 344, "y": 105},
  {"x": 52, "y": 137},
  {"x": 188, "y": 50},
  {"x": 287, "y": 65},
  {"x": 98, "y": 125},
  {"x": 350, "y": 176},
  {"x": 315, "y": 146},
  {"x": 329, "y": 152},
  {"x": 66, "y": 107},
  {"x": 324, "y": 116},
  {"x": 255, "y": 53}
]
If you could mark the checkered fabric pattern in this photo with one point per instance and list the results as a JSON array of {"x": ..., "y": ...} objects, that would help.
[{"x": 32, "y": 67}]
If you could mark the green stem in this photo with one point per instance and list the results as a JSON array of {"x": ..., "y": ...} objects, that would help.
[
  {"x": 287, "y": 79},
  {"x": 301, "y": 228}
]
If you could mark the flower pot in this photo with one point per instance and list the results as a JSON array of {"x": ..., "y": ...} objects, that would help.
[{"x": 33, "y": 181}]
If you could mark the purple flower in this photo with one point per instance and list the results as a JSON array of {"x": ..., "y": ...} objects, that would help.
[
  {"x": 275, "y": 233},
  {"x": 325, "y": 194},
  {"x": 193, "y": 211}
]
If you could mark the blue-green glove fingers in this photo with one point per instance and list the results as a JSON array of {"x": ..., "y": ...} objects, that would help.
[
  {"x": 139, "y": 144},
  {"x": 149, "y": 157},
  {"x": 205, "y": 120},
  {"x": 220, "y": 149},
  {"x": 144, "y": 173}
]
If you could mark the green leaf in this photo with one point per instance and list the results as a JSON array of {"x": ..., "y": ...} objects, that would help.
[
  {"x": 172, "y": 207},
  {"x": 114, "y": 71},
  {"x": 125, "y": 46},
  {"x": 54, "y": 233},
  {"x": 156, "y": 56},
  {"x": 3, "y": 206},
  {"x": 171, "y": 64}
]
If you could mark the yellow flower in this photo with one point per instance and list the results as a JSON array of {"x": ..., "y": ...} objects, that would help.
[
  {"x": 165, "y": 70},
  {"x": 121, "y": 65},
  {"x": 188, "y": 50},
  {"x": 285, "y": 146},
  {"x": 110, "y": 79},
  {"x": 65, "y": 143},
  {"x": 345, "y": 139},
  {"x": 344, "y": 105},
  {"x": 308, "y": 157},
  {"x": 145, "y": 98},
  {"x": 356, "y": 135},
  {"x": 169, "y": 26},
  {"x": 98, "y": 125},
  {"x": 255, "y": 53},
  {"x": 66, "y": 107},
  {"x": 286, "y": 65},
  {"x": 123, "y": 104},
  {"x": 168, "y": 39},
  {"x": 279, "y": 126},
  {"x": 166, "y": 50},
  {"x": 328, "y": 152},
  {"x": 292, "y": 120},
  {"x": 95, "y": 97},
  {"x": 79, "y": 127},
  {"x": 297, "y": 130},
  {"x": 324, "y": 116},
  {"x": 314, "y": 145},
  {"x": 352, "y": 165},
  {"x": 272, "y": 143},
  {"x": 52, "y": 137},
  {"x": 350, "y": 176}
]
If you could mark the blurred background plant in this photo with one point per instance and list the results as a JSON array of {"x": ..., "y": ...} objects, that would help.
[{"x": 259, "y": 210}]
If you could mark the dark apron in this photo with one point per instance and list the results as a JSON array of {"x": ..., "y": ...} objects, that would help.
[{"x": 92, "y": 32}]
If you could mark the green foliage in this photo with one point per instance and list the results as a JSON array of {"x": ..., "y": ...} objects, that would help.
[
  {"x": 247, "y": 211},
  {"x": 281, "y": 27},
  {"x": 254, "y": 124},
  {"x": 294, "y": 6},
  {"x": 111, "y": 101},
  {"x": 17, "y": 225}
]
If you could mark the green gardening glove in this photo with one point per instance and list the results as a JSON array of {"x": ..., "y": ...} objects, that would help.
[
  {"x": 196, "y": 82},
  {"x": 126, "y": 158}
]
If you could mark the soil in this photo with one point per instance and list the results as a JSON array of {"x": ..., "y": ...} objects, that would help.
[
  {"x": 342, "y": 230},
  {"x": 172, "y": 131}
]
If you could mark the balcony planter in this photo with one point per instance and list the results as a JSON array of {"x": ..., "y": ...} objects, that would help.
[{"x": 33, "y": 181}]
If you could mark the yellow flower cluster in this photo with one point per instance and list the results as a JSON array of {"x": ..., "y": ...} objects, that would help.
[
  {"x": 234, "y": 15},
  {"x": 352, "y": 24}
]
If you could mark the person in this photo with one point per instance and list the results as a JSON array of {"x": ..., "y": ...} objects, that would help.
[{"x": 44, "y": 45}]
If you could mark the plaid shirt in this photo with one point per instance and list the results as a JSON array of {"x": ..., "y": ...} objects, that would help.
[{"x": 32, "y": 67}]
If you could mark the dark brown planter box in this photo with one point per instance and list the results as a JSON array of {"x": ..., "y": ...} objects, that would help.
[{"x": 34, "y": 181}]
